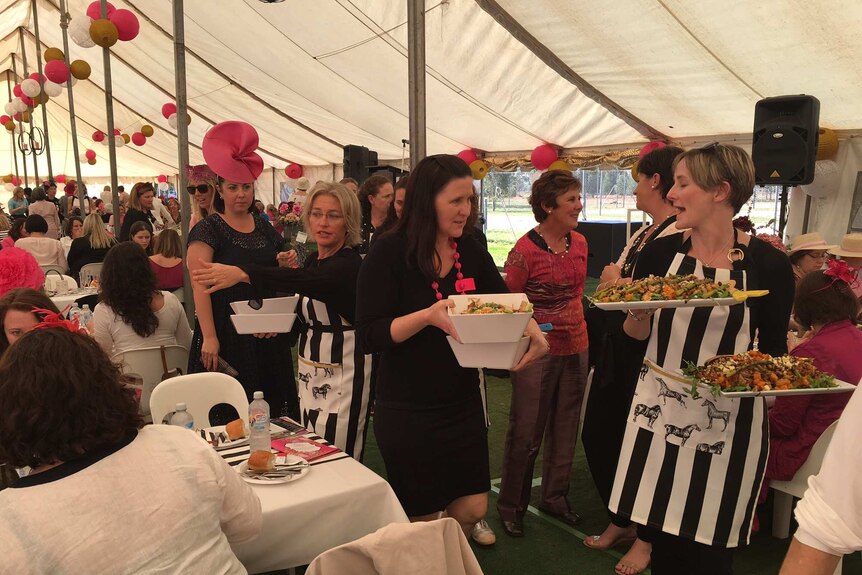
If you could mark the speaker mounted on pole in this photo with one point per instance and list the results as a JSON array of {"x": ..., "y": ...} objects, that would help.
[{"x": 784, "y": 145}]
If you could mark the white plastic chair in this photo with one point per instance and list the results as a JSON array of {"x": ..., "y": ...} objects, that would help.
[
  {"x": 180, "y": 294},
  {"x": 200, "y": 392},
  {"x": 90, "y": 272},
  {"x": 147, "y": 363},
  {"x": 785, "y": 491}
]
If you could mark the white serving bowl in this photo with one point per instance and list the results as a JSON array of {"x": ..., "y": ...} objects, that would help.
[
  {"x": 490, "y": 355},
  {"x": 272, "y": 305},
  {"x": 247, "y": 323},
  {"x": 491, "y": 327}
]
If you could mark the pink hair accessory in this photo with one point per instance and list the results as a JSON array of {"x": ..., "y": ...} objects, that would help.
[
  {"x": 201, "y": 173},
  {"x": 52, "y": 319},
  {"x": 839, "y": 270}
]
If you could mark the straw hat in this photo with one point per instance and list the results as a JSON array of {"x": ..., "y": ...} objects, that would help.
[
  {"x": 810, "y": 241},
  {"x": 851, "y": 247},
  {"x": 302, "y": 184}
]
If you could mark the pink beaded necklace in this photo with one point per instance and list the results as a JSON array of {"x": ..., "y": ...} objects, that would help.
[{"x": 456, "y": 256}]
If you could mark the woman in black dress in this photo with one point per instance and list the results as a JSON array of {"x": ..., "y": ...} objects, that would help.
[
  {"x": 140, "y": 209},
  {"x": 429, "y": 420},
  {"x": 234, "y": 236}
]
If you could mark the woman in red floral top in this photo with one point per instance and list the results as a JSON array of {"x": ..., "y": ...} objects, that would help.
[{"x": 549, "y": 264}]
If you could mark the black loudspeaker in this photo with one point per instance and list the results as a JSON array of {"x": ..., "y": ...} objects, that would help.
[
  {"x": 357, "y": 161},
  {"x": 784, "y": 147},
  {"x": 605, "y": 243}
]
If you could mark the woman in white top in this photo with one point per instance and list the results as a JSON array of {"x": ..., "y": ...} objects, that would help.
[
  {"x": 133, "y": 314},
  {"x": 41, "y": 206},
  {"x": 47, "y": 251}
]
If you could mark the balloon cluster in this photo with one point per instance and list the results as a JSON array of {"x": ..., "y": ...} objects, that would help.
[
  {"x": 90, "y": 29},
  {"x": 10, "y": 181},
  {"x": 169, "y": 111},
  {"x": 477, "y": 166}
]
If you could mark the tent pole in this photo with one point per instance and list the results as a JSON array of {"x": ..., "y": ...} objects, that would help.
[
  {"x": 416, "y": 83},
  {"x": 807, "y": 217},
  {"x": 273, "y": 185},
  {"x": 32, "y": 110},
  {"x": 12, "y": 135},
  {"x": 42, "y": 83},
  {"x": 64, "y": 25},
  {"x": 20, "y": 126},
  {"x": 182, "y": 142},
  {"x": 112, "y": 144}
]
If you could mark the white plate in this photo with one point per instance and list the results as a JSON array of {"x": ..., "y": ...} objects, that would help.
[
  {"x": 491, "y": 327},
  {"x": 216, "y": 429},
  {"x": 665, "y": 304},
  {"x": 490, "y": 355},
  {"x": 843, "y": 387},
  {"x": 247, "y": 323},
  {"x": 270, "y": 306},
  {"x": 242, "y": 469}
]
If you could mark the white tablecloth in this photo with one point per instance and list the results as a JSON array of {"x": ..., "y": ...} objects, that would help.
[
  {"x": 61, "y": 301},
  {"x": 338, "y": 501}
]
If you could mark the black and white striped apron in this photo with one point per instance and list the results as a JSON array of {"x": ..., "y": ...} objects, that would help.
[
  {"x": 333, "y": 377},
  {"x": 693, "y": 468}
]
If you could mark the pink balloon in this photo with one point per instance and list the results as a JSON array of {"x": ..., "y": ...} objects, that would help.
[
  {"x": 17, "y": 117},
  {"x": 15, "y": 180},
  {"x": 36, "y": 76},
  {"x": 94, "y": 10},
  {"x": 468, "y": 155},
  {"x": 90, "y": 155},
  {"x": 4, "y": 119},
  {"x": 27, "y": 100},
  {"x": 168, "y": 109},
  {"x": 162, "y": 179},
  {"x": 98, "y": 136},
  {"x": 138, "y": 138},
  {"x": 17, "y": 90},
  {"x": 650, "y": 147},
  {"x": 293, "y": 171},
  {"x": 543, "y": 156},
  {"x": 57, "y": 71},
  {"x": 127, "y": 24},
  {"x": 60, "y": 178},
  {"x": 117, "y": 132}
]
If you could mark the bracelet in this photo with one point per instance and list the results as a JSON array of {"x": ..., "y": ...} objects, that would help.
[{"x": 638, "y": 318}]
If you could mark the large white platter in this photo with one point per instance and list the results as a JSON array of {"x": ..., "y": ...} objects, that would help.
[
  {"x": 665, "y": 304},
  {"x": 491, "y": 327},
  {"x": 843, "y": 387}
]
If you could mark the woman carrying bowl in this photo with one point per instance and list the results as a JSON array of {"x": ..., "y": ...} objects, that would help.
[
  {"x": 429, "y": 419},
  {"x": 549, "y": 264}
]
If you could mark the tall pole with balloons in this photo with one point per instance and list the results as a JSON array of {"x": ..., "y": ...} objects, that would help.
[
  {"x": 44, "y": 88},
  {"x": 61, "y": 71}
]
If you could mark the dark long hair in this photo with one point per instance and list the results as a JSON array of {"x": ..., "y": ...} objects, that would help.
[
  {"x": 418, "y": 221},
  {"x": 128, "y": 286}
]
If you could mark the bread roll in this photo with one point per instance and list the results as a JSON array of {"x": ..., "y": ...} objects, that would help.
[
  {"x": 261, "y": 461},
  {"x": 235, "y": 429}
]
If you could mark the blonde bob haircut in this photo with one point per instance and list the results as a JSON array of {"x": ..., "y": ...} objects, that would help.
[
  {"x": 349, "y": 208},
  {"x": 716, "y": 163}
]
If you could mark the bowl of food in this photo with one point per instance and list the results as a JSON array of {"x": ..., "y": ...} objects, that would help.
[
  {"x": 491, "y": 355},
  {"x": 490, "y": 318},
  {"x": 249, "y": 323},
  {"x": 271, "y": 305}
]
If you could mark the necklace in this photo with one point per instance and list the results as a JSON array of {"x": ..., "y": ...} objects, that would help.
[
  {"x": 456, "y": 256},
  {"x": 733, "y": 254},
  {"x": 564, "y": 253}
]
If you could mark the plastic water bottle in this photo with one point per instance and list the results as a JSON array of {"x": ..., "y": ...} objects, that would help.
[
  {"x": 258, "y": 424},
  {"x": 86, "y": 317},
  {"x": 182, "y": 417},
  {"x": 75, "y": 313}
]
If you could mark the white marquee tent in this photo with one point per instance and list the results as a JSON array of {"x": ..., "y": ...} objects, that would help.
[{"x": 502, "y": 76}]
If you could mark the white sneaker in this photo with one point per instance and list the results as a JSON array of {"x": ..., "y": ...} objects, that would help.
[{"x": 483, "y": 534}]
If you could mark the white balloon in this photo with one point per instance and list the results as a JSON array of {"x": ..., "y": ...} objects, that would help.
[
  {"x": 9, "y": 187},
  {"x": 827, "y": 176},
  {"x": 20, "y": 106},
  {"x": 172, "y": 121},
  {"x": 30, "y": 88},
  {"x": 53, "y": 90},
  {"x": 74, "y": 79},
  {"x": 163, "y": 186},
  {"x": 119, "y": 141},
  {"x": 10, "y": 108},
  {"x": 79, "y": 31}
]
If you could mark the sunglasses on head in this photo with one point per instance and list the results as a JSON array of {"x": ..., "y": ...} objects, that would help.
[{"x": 200, "y": 189}]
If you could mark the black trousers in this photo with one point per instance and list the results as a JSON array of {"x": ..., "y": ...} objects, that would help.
[{"x": 672, "y": 555}]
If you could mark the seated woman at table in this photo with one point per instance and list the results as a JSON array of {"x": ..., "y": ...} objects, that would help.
[
  {"x": 73, "y": 228},
  {"x": 106, "y": 495},
  {"x": 47, "y": 251},
  {"x": 328, "y": 354},
  {"x": 91, "y": 248},
  {"x": 17, "y": 316},
  {"x": 141, "y": 234},
  {"x": 167, "y": 261},
  {"x": 40, "y": 205},
  {"x": 133, "y": 313},
  {"x": 826, "y": 306},
  {"x": 429, "y": 417}
]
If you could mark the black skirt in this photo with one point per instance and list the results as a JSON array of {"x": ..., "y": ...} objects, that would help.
[{"x": 434, "y": 456}]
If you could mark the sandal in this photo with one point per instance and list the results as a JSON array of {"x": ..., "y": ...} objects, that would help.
[{"x": 594, "y": 542}]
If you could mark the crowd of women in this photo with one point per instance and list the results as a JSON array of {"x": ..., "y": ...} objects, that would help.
[{"x": 374, "y": 331}]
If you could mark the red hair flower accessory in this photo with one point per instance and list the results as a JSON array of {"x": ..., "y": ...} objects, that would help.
[
  {"x": 51, "y": 319},
  {"x": 839, "y": 270}
]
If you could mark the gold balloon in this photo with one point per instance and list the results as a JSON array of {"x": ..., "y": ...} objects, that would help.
[
  {"x": 92, "y": 162},
  {"x": 126, "y": 138},
  {"x": 635, "y": 171},
  {"x": 53, "y": 54},
  {"x": 10, "y": 125},
  {"x": 80, "y": 69},
  {"x": 7, "y": 179},
  {"x": 479, "y": 169},
  {"x": 147, "y": 130},
  {"x": 560, "y": 165},
  {"x": 104, "y": 32},
  {"x": 827, "y": 144},
  {"x": 25, "y": 117}
]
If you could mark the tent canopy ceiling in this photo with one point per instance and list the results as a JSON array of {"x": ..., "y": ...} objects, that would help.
[{"x": 504, "y": 75}]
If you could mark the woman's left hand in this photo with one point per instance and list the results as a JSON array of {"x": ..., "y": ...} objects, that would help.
[
  {"x": 216, "y": 277},
  {"x": 539, "y": 346}
]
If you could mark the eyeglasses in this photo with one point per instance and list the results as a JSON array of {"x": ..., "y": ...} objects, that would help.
[
  {"x": 331, "y": 216},
  {"x": 200, "y": 189},
  {"x": 713, "y": 148},
  {"x": 817, "y": 255}
]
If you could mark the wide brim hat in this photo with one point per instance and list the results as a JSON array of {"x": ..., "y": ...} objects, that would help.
[
  {"x": 229, "y": 148},
  {"x": 809, "y": 241},
  {"x": 851, "y": 247},
  {"x": 302, "y": 184}
]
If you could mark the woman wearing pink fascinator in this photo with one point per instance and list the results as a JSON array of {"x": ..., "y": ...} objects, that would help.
[{"x": 232, "y": 235}]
